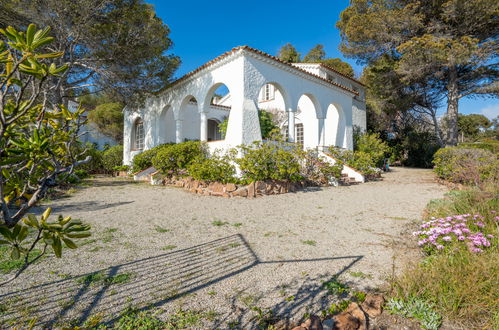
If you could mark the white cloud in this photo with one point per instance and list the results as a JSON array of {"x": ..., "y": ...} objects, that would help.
[{"x": 490, "y": 111}]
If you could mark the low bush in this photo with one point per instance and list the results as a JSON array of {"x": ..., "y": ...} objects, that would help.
[
  {"x": 320, "y": 171},
  {"x": 144, "y": 160},
  {"x": 112, "y": 157},
  {"x": 458, "y": 279},
  {"x": 359, "y": 160},
  {"x": 95, "y": 165},
  {"x": 175, "y": 158},
  {"x": 490, "y": 145},
  {"x": 372, "y": 145},
  {"x": 466, "y": 166},
  {"x": 214, "y": 168},
  {"x": 270, "y": 161}
]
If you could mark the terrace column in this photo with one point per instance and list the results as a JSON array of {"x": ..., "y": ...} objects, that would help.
[
  {"x": 291, "y": 126},
  {"x": 204, "y": 127},
  {"x": 178, "y": 131}
]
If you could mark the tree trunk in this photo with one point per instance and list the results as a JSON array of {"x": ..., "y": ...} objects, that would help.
[{"x": 452, "y": 108}]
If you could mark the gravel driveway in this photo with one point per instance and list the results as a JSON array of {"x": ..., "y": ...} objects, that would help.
[{"x": 225, "y": 259}]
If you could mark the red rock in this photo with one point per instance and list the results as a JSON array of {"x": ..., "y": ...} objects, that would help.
[
  {"x": 216, "y": 187},
  {"x": 260, "y": 187},
  {"x": 313, "y": 323},
  {"x": 373, "y": 305},
  {"x": 230, "y": 187},
  {"x": 251, "y": 190},
  {"x": 241, "y": 192},
  {"x": 345, "y": 321},
  {"x": 355, "y": 310}
]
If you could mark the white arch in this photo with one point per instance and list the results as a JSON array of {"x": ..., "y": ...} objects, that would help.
[
  {"x": 335, "y": 126},
  {"x": 308, "y": 112},
  {"x": 166, "y": 125}
]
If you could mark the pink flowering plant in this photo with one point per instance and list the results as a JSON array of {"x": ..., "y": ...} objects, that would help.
[{"x": 475, "y": 232}]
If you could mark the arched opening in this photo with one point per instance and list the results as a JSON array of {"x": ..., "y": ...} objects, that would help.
[
  {"x": 138, "y": 135},
  {"x": 273, "y": 100},
  {"x": 187, "y": 124},
  {"x": 214, "y": 133},
  {"x": 166, "y": 125},
  {"x": 335, "y": 127},
  {"x": 217, "y": 106},
  {"x": 306, "y": 122}
]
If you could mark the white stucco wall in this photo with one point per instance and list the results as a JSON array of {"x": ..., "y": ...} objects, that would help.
[{"x": 325, "y": 110}]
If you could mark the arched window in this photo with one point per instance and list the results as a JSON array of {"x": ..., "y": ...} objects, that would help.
[{"x": 138, "y": 138}]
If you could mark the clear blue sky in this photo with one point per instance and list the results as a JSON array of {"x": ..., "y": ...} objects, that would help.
[{"x": 202, "y": 30}]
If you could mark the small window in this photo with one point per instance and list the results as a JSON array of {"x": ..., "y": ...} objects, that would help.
[
  {"x": 268, "y": 92},
  {"x": 139, "y": 135}
]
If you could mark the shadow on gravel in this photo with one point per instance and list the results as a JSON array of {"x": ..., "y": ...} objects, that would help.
[{"x": 146, "y": 283}]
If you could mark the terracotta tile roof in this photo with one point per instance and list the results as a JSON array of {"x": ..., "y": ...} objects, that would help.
[
  {"x": 341, "y": 74},
  {"x": 259, "y": 52}
]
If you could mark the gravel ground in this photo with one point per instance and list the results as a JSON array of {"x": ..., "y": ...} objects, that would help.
[{"x": 227, "y": 259}]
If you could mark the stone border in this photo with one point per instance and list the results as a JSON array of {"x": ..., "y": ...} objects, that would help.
[{"x": 254, "y": 189}]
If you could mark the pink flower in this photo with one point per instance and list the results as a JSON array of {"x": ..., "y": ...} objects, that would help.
[
  {"x": 490, "y": 236},
  {"x": 447, "y": 238},
  {"x": 461, "y": 238},
  {"x": 440, "y": 247}
]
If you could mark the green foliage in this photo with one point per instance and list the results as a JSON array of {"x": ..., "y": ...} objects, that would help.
[
  {"x": 371, "y": 144},
  {"x": 336, "y": 287},
  {"x": 358, "y": 160},
  {"x": 470, "y": 126},
  {"x": 144, "y": 160},
  {"x": 38, "y": 146},
  {"x": 108, "y": 118},
  {"x": 318, "y": 170},
  {"x": 431, "y": 65},
  {"x": 213, "y": 168},
  {"x": 315, "y": 55},
  {"x": 466, "y": 166},
  {"x": 95, "y": 164},
  {"x": 134, "y": 319},
  {"x": 270, "y": 161},
  {"x": 112, "y": 157},
  {"x": 288, "y": 53},
  {"x": 268, "y": 126},
  {"x": 122, "y": 46},
  {"x": 418, "y": 309},
  {"x": 53, "y": 234},
  {"x": 174, "y": 159},
  {"x": 490, "y": 145},
  {"x": 340, "y": 66},
  {"x": 222, "y": 127},
  {"x": 457, "y": 281}
]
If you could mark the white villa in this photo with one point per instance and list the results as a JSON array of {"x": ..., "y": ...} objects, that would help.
[{"x": 315, "y": 105}]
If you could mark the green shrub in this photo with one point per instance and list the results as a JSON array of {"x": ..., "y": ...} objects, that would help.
[
  {"x": 270, "y": 161},
  {"x": 214, "y": 168},
  {"x": 372, "y": 145},
  {"x": 490, "y": 145},
  {"x": 318, "y": 170},
  {"x": 175, "y": 158},
  {"x": 461, "y": 284},
  {"x": 268, "y": 127},
  {"x": 112, "y": 157},
  {"x": 144, "y": 159},
  {"x": 95, "y": 164},
  {"x": 466, "y": 166},
  {"x": 359, "y": 160}
]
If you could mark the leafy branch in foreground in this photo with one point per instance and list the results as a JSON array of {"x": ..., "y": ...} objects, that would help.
[{"x": 39, "y": 145}]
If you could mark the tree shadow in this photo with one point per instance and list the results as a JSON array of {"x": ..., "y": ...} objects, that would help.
[
  {"x": 80, "y": 206},
  {"x": 148, "y": 283}
]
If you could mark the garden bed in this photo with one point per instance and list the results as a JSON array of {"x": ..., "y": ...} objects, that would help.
[{"x": 254, "y": 189}]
